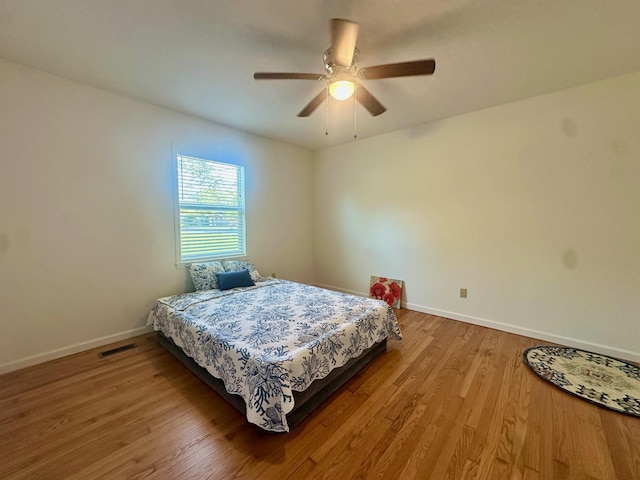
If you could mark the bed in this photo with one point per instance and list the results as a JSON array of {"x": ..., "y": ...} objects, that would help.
[{"x": 275, "y": 349}]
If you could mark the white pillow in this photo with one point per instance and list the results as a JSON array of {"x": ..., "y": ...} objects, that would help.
[{"x": 204, "y": 275}]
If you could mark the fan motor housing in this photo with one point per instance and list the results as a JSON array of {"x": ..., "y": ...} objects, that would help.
[{"x": 332, "y": 68}]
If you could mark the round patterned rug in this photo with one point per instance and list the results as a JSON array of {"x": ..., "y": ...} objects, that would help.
[{"x": 596, "y": 378}]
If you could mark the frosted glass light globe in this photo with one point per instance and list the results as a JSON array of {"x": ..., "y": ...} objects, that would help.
[{"x": 342, "y": 89}]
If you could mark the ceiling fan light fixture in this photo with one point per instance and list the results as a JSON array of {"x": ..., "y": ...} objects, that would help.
[
  {"x": 341, "y": 89},
  {"x": 342, "y": 75}
]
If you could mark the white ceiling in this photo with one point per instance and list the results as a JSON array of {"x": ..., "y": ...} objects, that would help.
[{"x": 198, "y": 56}]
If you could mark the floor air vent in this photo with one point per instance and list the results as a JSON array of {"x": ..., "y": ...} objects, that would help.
[{"x": 113, "y": 351}]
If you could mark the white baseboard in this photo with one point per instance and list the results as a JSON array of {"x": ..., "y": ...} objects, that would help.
[
  {"x": 78, "y": 347},
  {"x": 505, "y": 327},
  {"x": 527, "y": 332}
]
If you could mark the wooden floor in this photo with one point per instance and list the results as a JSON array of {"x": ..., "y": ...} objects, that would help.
[{"x": 451, "y": 400}]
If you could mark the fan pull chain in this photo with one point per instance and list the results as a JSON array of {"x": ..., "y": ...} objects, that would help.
[
  {"x": 355, "y": 88},
  {"x": 326, "y": 130}
]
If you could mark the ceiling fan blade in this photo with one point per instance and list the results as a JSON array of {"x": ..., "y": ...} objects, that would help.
[
  {"x": 369, "y": 102},
  {"x": 403, "y": 69},
  {"x": 344, "y": 34},
  {"x": 288, "y": 76},
  {"x": 313, "y": 104}
]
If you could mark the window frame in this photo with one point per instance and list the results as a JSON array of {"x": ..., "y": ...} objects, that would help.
[{"x": 240, "y": 230}]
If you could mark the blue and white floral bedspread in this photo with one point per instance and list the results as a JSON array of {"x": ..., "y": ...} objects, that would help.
[{"x": 268, "y": 340}]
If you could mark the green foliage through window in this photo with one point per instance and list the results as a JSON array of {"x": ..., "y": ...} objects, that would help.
[{"x": 211, "y": 204}]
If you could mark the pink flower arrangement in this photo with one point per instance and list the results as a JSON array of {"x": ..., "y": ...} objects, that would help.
[
  {"x": 395, "y": 290},
  {"x": 388, "y": 290},
  {"x": 389, "y": 298},
  {"x": 378, "y": 290}
]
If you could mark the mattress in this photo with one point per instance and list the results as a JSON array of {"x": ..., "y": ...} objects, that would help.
[{"x": 271, "y": 339}]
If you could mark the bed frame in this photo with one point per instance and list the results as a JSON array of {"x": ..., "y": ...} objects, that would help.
[{"x": 305, "y": 402}]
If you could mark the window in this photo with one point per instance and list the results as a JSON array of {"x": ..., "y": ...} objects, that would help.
[{"x": 211, "y": 210}]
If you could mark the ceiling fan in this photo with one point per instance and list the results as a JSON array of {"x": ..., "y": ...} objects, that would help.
[{"x": 342, "y": 74}]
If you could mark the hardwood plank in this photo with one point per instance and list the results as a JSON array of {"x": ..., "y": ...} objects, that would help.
[
  {"x": 619, "y": 432},
  {"x": 451, "y": 400}
]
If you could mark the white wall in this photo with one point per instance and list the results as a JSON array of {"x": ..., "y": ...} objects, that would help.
[
  {"x": 533, "y": 206},
  {"x": 87, "y": 217}
]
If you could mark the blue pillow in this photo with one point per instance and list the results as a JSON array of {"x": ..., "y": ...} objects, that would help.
[{"x": 239, "y": 278}]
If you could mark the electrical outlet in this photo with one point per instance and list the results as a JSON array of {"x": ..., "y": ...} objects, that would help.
[{"x": 463, "y": 293}]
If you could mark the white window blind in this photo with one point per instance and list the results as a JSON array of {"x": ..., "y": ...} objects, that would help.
[{"x": 211, "y": 209}]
